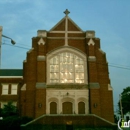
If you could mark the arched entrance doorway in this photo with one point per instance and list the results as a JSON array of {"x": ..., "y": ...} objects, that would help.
[
  {"x": 67, "y": 108},
  {"x": 81, "y": 108},
  {"x": 53, "y": 108}
]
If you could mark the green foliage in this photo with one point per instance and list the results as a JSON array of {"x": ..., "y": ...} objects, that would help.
[
  {"x": 11, "y": 118},
  {"x": 9, "y": 110},
  {"x": 125, "y": 100}
]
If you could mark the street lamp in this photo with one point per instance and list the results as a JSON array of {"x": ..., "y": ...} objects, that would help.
[
  {"x": 1, "y": 35},
  {"x": 12, "y": 41}
]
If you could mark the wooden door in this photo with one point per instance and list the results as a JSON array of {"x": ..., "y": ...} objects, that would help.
[
  {"x": 67, "y": 108},
  {"x": 53, "y": 108},
  {"x": 81, "y": 108}
]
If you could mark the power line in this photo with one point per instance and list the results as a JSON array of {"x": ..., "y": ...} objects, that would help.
[{"x": 110, "y": 64}]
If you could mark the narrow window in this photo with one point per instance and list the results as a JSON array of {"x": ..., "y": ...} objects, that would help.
[
  {"x": 5, "y": 89},
  {"x": 14, "y": 89}
]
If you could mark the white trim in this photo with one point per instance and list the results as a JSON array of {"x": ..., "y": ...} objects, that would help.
[
  {"x": 60, "y": 96},
  {"x": 11, "y": 77},
  {"x": 110, "y": 87},
  {"x": 30, "y": 50},
  {"x": 91, "y": 42},
  {"x": 41, "y": 58},
  {"x": 68, "y": 38},
  {"x": 101, "y": 51},
  {"x": 41, "y": 33},
  {"x": 23, "y": 88},
  {"x": 68, "y": 32},
  {"x": 91, "y": 58},
  {"x": 41, "y": 41}
]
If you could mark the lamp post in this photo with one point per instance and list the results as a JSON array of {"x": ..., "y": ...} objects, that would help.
[
  {"x": 120, "y": 97},
  {"x": 1, "y": 35},
  {"x": 121, "y": 106}
]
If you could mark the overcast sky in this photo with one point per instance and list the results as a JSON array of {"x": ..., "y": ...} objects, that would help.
[{"x": 109, "y": 18}]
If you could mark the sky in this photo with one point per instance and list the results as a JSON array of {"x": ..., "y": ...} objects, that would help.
[{"x": 110, "y": 19}]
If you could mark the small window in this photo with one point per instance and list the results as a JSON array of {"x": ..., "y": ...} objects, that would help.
[
  {"x": 5, "y": 89},
  {"x": 3, "y": 103},
  {"x": 14, "y": 89}
]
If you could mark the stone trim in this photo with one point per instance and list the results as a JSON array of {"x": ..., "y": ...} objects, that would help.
[
  {"x": 64, "y": 38},
  {"x": 42, "y": 33},
  {"x": 30, "y": 50},
  {"x": 91, "y": 42},
  {"x": 11, "y": 77},
  {"x": 94, "y": 85},
  {"x": 70, "y": 86},
  {"x": 110, "y": 87},
  {"x": 64, "y": 32},
  {"x": 23, "y": 87},
  {"x": 101, "y": 51},
  {"x": 40, "y": 85},
  {"x": 41, "y": 58},
  {"x": 41, "y": 41},
  {"x": 90, "y": 34},
  {"x": 91, "y": 58}
]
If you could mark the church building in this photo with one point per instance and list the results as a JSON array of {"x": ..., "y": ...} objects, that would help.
[{"x": 65, "y": 73}]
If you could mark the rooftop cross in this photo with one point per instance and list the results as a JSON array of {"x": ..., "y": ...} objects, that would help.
[{"x": 66, "y": 12}]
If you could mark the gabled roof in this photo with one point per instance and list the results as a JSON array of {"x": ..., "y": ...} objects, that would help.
[
  {"x": 60, "y": 26},
  {"x": 11, "y": 72}
]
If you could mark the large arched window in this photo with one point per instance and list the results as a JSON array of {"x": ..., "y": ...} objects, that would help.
[{"x": 66, "y": 67}]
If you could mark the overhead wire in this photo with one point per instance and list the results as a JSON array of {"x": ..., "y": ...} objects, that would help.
[{"x": 110, "y": 64}]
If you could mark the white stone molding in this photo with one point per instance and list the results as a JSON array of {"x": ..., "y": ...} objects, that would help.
[
  {"x": 23, "y": 87},
  {"x": 42, "y": 33},
  {"x": 41, "y": 58},
  {"x": 90, "y": 34},
  {"x": 91, "y": 42},
  {"x": 64, "y": 32},
  {"x": 30, "y": 50},
  {"x": 52, "y": 99},
  {"x": 110, "y": 87},
  {"x": 91, "y": 58},
  {"x": 41, "y": 41},
  {"x": 11, "y": 77},
  {"x": 101, "y": 51},
  {"x": 68, "y": 95}
]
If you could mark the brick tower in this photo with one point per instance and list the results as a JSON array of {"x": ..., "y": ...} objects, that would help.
[{"x": 66, "y": 72}]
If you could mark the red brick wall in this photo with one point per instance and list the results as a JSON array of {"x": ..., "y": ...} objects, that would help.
[{"x": 35, "y": 71}]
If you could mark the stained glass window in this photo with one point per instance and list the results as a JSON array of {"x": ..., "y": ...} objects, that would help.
[{"x": 66, "y": 67}]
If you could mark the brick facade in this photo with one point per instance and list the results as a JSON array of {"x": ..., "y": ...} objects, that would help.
[{"x": 66, "y": 34}]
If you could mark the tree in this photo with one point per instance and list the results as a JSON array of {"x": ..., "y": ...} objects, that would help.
[
  {"x": 9, "y": 110},
  {"x": 11, "y": 117},
  {"x": 125, "y": 100}
]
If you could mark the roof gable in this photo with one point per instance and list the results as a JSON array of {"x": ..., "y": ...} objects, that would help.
[{"x": 71, "y": 25}]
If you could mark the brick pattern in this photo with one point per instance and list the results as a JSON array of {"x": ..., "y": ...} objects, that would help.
[{"x": 32, "y": 101}]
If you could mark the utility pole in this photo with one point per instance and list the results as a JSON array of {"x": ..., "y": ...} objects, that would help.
[
  {"x": 1, "y": 35},
  {"x": 0, "y": 43},
  {"x": 121, "y": 106}
]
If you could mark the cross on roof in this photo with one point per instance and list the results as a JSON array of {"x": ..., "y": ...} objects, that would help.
[{"x": 66, "y": 12}]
